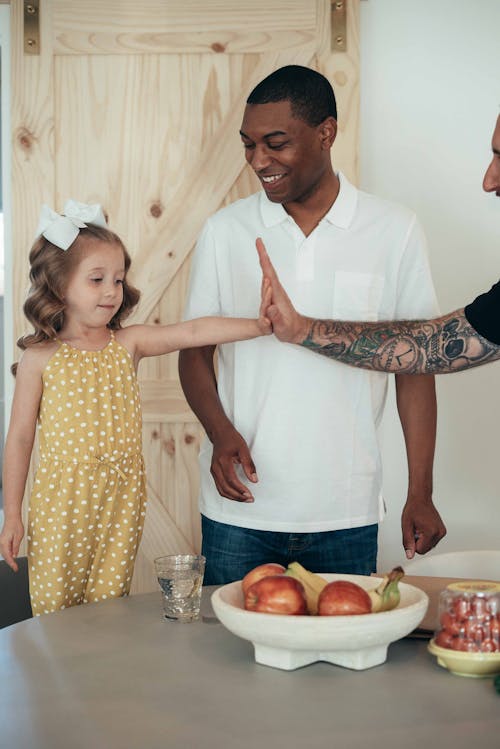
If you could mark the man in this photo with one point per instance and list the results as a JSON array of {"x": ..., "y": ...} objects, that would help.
[
  {"x": 465, "y": 338},
  {"x": 340, "y": 251}
]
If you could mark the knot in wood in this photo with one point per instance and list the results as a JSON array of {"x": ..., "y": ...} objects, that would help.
[
  {"x": 170, "y": 446},
  {"x": 25, "y": 139},
  {"x": 218, "y": 47},
  {"x": 156, "y": 209}
]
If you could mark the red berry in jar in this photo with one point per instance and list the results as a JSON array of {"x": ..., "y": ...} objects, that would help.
[
  {"x": 489, "y": 646},
  {"x": 451, "y": 624},
  {"x": 479, "y": 608},
  {"x": 461, "y": 607},
  {"x": 444, "y": 639},
  {"x": 474, "y": 630}
]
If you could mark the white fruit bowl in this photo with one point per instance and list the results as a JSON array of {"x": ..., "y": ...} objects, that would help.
[{"x": 289, "y": 642}]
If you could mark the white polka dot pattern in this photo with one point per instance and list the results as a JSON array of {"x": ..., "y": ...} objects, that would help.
[{"x": 88, "y": 501}]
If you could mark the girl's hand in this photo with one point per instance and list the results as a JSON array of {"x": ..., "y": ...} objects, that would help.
[
  {"x": 10, "y": 540},
  {"x": 264, "y": 322}
]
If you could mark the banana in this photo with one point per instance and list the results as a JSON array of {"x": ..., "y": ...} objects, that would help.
[
  {"x": 313, "y": 584},
  {"x": 386, "y": 595}
]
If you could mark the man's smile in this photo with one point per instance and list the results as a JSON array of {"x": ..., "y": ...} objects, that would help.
[{"x": 271, "y": 177}]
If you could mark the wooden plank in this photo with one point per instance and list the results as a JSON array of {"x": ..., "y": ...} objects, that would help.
[
  {"x": 163, "y": 400},
  {"x": 186, "y": 481},
  {"x": 176, "y": 26},
  {"x": 214, "y": 42}
]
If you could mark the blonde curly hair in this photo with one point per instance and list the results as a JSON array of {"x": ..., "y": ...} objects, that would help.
[{"x": 50, "y": 272}]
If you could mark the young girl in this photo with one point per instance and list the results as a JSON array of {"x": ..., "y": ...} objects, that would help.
[{"x": 77, "y": 379}]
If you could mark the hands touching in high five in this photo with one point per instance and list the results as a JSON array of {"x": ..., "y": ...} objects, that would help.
[{"x": 288, "y": 324}]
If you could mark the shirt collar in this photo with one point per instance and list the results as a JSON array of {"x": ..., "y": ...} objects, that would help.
[
  {"x": 342, "y": 211},
  {"x": 340, "y": 214}
]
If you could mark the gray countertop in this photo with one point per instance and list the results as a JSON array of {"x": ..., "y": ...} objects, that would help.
[{"x": 115, "y": 674}]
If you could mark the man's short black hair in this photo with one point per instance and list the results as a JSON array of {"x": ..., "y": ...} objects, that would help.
[{"x": 310, "y": 94}]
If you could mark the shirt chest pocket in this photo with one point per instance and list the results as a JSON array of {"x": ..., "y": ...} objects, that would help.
[{"x": 357, "y": 296}]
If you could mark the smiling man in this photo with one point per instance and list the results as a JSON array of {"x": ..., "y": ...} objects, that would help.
[
  {"x": 340, "y": 252},
  {"x": 465, "y": 338}
]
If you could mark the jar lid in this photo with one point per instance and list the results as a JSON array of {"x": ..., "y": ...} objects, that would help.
[{"x": 475, "y": 586}]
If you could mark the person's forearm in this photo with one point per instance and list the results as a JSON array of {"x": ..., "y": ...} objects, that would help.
[
  {"x": 439, "y": 346},
  {"x": 205, "y": 331},
  {"x": 417, "y": 408},
  {"x": 197, "y": 375}
]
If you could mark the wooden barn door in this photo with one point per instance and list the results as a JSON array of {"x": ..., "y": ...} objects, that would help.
[{"x": 137, "y": 106}]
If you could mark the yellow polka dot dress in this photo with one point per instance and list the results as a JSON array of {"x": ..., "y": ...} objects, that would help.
[{"x": 88, "y": 501}]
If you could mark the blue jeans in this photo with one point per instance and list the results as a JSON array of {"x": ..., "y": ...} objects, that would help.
[{"x": 231, "y": 551}]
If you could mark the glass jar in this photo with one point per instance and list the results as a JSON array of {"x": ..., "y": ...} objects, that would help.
[{"x": 469, "y": 617}]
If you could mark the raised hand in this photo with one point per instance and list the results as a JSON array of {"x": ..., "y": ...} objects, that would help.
[{"x": 288, "y": 324}]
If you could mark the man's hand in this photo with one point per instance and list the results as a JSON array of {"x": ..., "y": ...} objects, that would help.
[
  {"x": 288, "y": 324},
  {"x": 230, "y": 449},
  {"x": 422, "y": 527}
]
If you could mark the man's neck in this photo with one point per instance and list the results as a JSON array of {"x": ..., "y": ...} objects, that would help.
[{"x": 308, "y": 213}]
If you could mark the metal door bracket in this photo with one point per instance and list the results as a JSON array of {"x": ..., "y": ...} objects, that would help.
[
  {"x": 32, "y": 27},
  {"x": 339, "y": 25}
]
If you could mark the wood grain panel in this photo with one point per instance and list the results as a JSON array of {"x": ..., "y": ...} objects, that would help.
[
  {"x": 179, "y": 27},
  {"x": 215, "y": 42},
  {"x": 163, "y": 399}
]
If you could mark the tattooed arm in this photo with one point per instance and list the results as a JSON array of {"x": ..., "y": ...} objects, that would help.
[{"x": 445, "y": 344}]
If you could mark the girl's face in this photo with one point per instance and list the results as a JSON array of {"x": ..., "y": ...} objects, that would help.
[{"x": 95, "y": 290}]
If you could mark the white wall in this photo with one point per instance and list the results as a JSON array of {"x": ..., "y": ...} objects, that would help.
[{"x": 430, "y": 96}]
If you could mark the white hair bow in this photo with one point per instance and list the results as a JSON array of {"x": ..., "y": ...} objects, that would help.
[{"x": 62, "y": 230}]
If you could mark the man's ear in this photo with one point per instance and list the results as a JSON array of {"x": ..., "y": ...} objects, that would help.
[{"x": 327, "y": 132}]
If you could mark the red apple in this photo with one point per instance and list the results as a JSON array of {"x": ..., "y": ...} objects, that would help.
[
  {"x": 342, "y": 597},
  {"x": 263, "y": 570},
  {"x": 276, "y": 594}
]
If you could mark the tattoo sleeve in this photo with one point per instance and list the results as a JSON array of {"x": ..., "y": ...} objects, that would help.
[{"x": 445, "y": 344}]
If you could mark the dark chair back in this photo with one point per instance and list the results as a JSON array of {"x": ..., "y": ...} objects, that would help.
[{"x": 15, "y": 603}]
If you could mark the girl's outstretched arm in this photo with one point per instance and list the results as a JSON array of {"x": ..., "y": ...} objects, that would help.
[
  {"x": 154, "y": 340},
  {"x": 18, "y": 448}
]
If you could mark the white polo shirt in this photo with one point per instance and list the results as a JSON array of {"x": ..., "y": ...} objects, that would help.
[{"x": 310, "y": 422}]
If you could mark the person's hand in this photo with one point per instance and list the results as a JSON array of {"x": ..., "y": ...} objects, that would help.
[
  {"x": 288, "y": 324},
  {"x": 264, "y": 323},
  {"x": 10, "y": 540},
  {"x": 421, "y": 525},
  {"x": 230, "y": 449}
]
